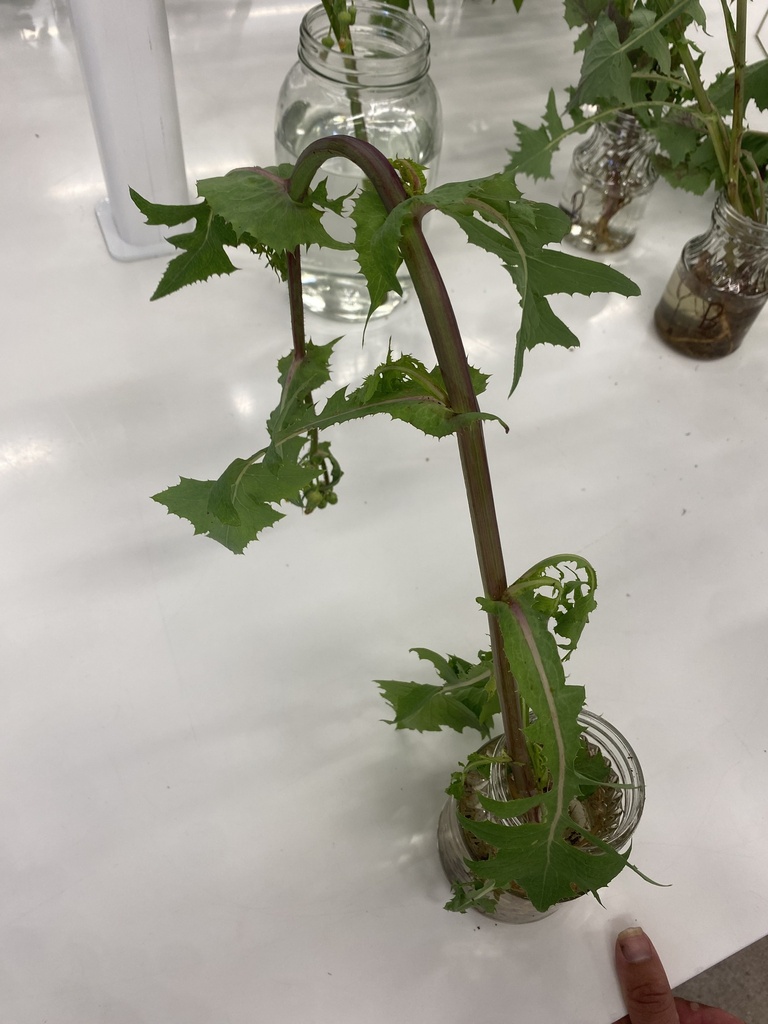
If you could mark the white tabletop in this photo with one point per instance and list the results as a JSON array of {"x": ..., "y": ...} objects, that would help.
[{"x": 204, "y": 820}]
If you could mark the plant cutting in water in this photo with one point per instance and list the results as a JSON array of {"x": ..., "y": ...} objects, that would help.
[
  {"x": 535, "y": 622},
  {"x": 342, "y": 13},
  {"x": 644, "y": 58}
]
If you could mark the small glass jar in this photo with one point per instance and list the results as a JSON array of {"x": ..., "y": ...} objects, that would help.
[
  {"x": 619, "y": 820},
  {"x": 718, "y": 287},
  {"x": 609, "y": 184},
  {"x": 381, "y": 92}
]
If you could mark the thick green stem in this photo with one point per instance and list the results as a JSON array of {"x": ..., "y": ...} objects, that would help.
[
  {"x": 451, "y": 357},
  {"x": 344, "y": 40},
  {"x": 716, "y": 128},
  {"x": 296, "y": 304},
  {"x": 739, "y": 55}
]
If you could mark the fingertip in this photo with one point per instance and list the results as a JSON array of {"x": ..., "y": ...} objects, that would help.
[
  {"x": 643, "y": 981},
  {"x": 634, "y": 946}
]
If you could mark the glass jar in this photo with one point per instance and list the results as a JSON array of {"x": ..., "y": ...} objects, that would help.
[
  {"x": 620, "y": 812},
  {"x": 380, "y": 91},
  {"x": 608, "y": 185},
  {"x": 718, "y": 287}
]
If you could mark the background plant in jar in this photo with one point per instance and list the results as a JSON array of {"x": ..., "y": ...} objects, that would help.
[
  {"x": 646, "y": 58},
  {"x": 276, "y": 212},
  {"x": 342, "y": 14}
]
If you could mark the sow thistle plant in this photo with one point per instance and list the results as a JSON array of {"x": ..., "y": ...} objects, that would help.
[
  {"x": 643, "y": 58},
  {"x": 534, "y": 623}
]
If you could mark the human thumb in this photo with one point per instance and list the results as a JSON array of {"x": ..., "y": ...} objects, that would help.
[{"x": 643, "y": 980}]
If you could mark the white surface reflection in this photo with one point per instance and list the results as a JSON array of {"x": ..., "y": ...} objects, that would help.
[
  {"x": 243, "y": 402},
  {"x": 21, "y": 454}
]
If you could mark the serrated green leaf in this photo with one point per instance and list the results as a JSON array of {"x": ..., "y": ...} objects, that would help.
[
  {"x": 540, "y": 859},
  {"x": 161, "y": 214},
  {"x": 508, "y": 809},
  {"x": 681, "y": 176},
  {"x": 650, "y": 38},
  {"x": 255, "y": 201},
  {"x": 755, "y": 87},
  {"x": 221, "y": 503},
  {"x": 475, "y": 895},
  {"x": 427, "y": 708},
  {"x": 299, "y": 378},
  {"x": 234, "y": 509},
  {"x": 536, "y": 146},
  {"x": 757, "y": 144},
  {"x": 563, "y": 591},
  {"x": 582, "y": 12},
  {"x": 606, "y": 71},
  {"x": 189, "y": 499},
  {"x": 203, "y": 255},
  {"x": 543, "y": 857},
  {"x": 678, "y": 140},
  {"x": 553, "y": 272},
  {"x": 539, "y": 272},
  {"x": 591, "y": 768},
  {"x": 465, "y": 700},
  {"x": 402, "y": 388},
  {"x": 378, "y": 254},
  {"x": 451, "y": 669}
]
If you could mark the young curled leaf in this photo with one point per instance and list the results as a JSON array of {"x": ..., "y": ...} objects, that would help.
[
  {"x": 563, "y": 589},
  {"x": 475, "y": 895}
]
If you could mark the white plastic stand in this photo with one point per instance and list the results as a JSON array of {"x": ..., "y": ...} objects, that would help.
[{"x": 125, "y": 55}]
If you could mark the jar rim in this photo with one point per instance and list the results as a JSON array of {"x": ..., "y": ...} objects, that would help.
[
  {"x": 402, "y": 53},
  {"x": 617, "y": 748},
  {"x": 748, "y": 229}
]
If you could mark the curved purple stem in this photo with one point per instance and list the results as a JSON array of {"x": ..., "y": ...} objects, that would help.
[{"x": 452, "y": 360}]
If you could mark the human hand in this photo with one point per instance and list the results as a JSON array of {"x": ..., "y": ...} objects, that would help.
[{"x": 646, "y": 990}]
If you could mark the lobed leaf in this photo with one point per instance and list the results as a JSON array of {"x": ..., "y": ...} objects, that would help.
[
  {"x": 495, "y": 217},
  {"x": 606, "y": 71},
  {"x": 541, "y": 859},
  {"x": 539, "y": 856},
  {"x": 402, "y": 388},
  {"x": 467, "y": 698},
  {"x": 255, "y": 201},
  {"x": 563, "y": 589},
  {"x": 203, "y": 247},
  {"x": 755, "y": 87},
  {"x": 378, "y": 255},
  {"x": 190, "y": 499}
]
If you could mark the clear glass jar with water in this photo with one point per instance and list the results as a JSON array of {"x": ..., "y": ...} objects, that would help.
[
  {"x": 718, "y": 288},
  {"x": 612, "y": 812},
  {"x": 378, "y": 90},
  {"x": 609, "y": 184}
]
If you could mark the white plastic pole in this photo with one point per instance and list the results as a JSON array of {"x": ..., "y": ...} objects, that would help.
[{"x": 125, "y": 55}]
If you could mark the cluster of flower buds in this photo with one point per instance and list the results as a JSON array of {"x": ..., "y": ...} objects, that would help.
[
  {"x": 321, "y": 491},
  {"x": 341, "y": 16}
]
